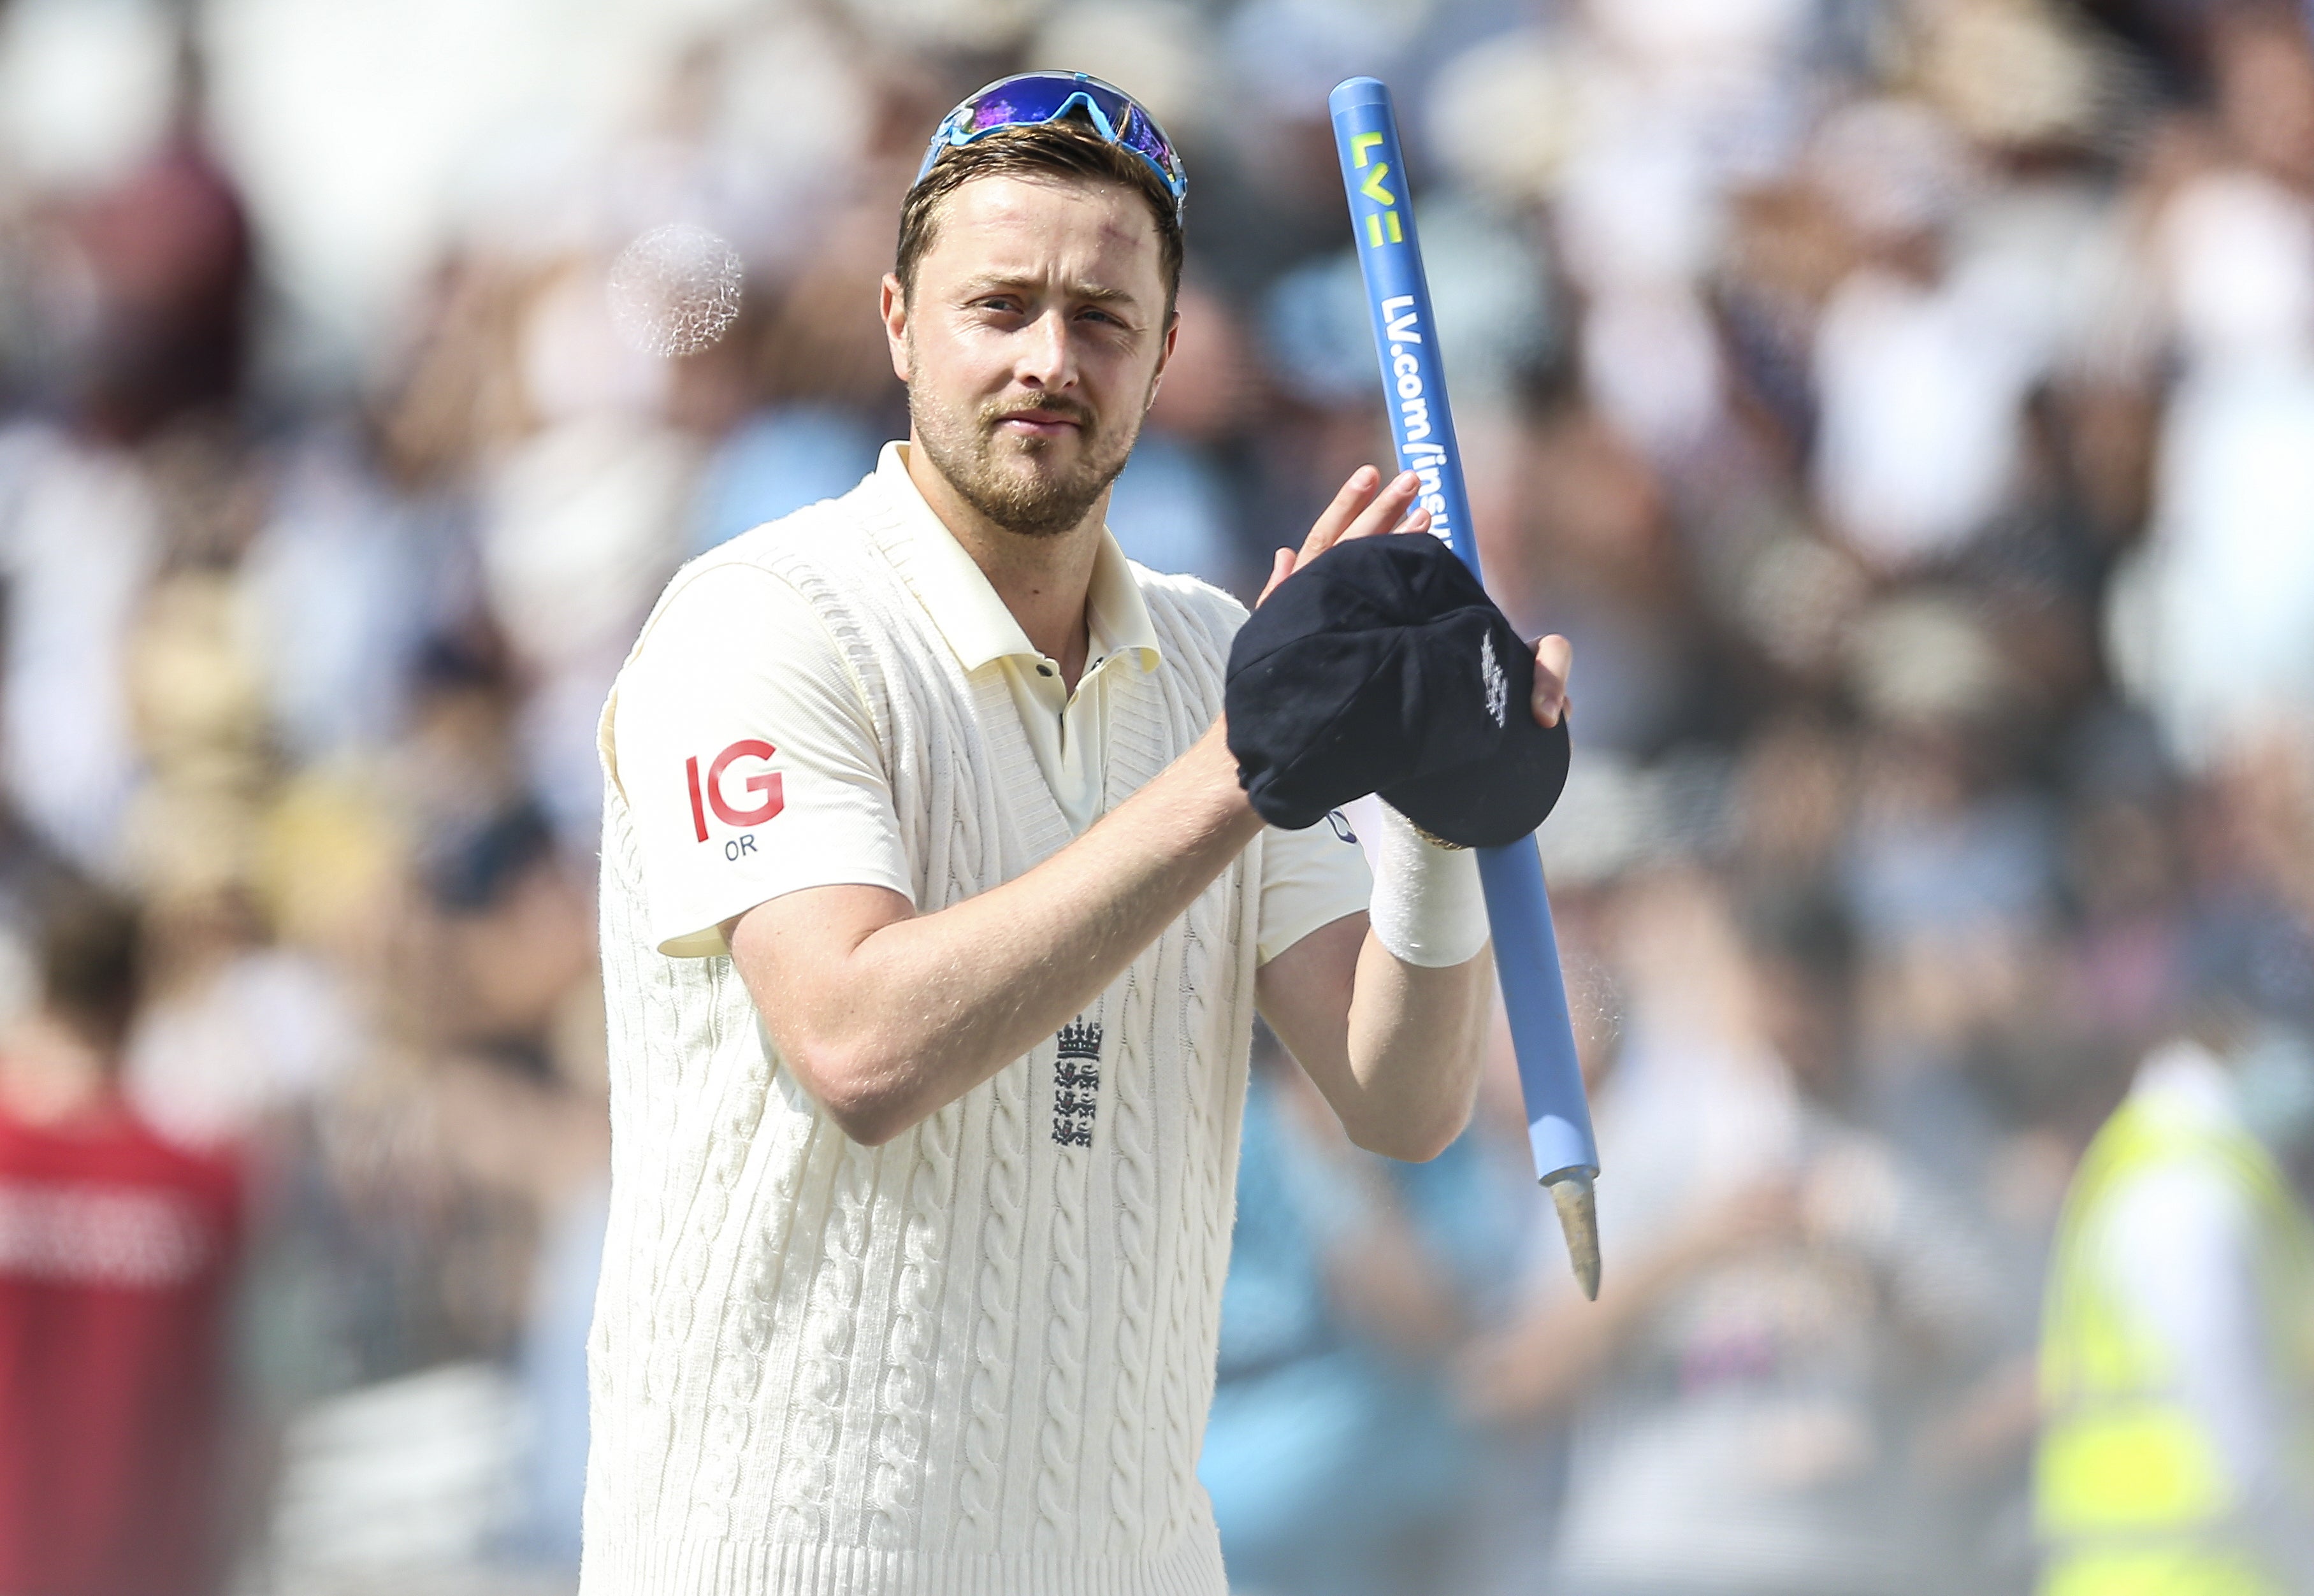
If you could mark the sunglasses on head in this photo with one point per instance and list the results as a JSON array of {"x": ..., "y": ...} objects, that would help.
[{"x": 1033, "y": 98}]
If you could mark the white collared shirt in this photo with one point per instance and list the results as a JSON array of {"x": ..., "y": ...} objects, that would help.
[
  {"x": 745, "y": 747},
  {"x": 1066, "y": 729}
]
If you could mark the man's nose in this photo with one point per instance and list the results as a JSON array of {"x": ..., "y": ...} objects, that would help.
[{"x": 1047, "y": 358}]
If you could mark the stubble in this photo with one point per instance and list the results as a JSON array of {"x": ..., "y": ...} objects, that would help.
[{"x": 1018, "y": 483}]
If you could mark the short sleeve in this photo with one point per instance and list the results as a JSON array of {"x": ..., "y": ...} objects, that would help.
[
  {"x": 748, "y": 761},
  {"x": 1310, "y": 879}
]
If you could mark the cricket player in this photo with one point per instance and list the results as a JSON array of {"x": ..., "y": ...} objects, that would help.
[{"x": 934, "y": 921}]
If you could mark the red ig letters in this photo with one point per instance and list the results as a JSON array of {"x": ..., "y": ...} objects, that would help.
[{"x": 764, "y": 785}]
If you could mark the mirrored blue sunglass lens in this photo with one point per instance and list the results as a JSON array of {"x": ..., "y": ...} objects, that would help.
[
  {"x": 1002, "y": 110},
  {"x": 1143, "y": 139},
  {"x": 1024, "y": 101},
  {"x": 1038, "y": 97}
]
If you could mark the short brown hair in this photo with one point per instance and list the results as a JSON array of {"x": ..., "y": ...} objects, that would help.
[
  {"x": 90, "y": 962},
  {"x": 1065, "y": 148}
]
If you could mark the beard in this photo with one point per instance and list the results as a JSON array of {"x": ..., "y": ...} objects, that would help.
[{"x": 1019, "y": 484}]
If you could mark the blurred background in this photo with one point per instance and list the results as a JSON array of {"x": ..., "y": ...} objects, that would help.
[{"x": 1906, "y": 406}]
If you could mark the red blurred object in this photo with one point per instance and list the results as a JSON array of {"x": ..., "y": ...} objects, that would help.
[
  {"x": 117, "y": 1251},
  {"x": 169, "y": 259}
]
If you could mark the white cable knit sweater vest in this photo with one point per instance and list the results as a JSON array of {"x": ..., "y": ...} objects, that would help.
[{"x": 977, "y": 1359}]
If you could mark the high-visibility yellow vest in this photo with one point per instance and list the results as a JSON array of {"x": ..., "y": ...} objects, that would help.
[{"x": 2132, "y": 1496}]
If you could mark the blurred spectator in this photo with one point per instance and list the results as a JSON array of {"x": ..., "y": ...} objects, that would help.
[
  {"x": 778, "y": 461},
  {"x": 2213, "y": 630},
  {"x": 1172, "y": 508},
  {"x": 349, "y": 579},
  {"x": 83, "y": 536},
  {"x": 1790, "y": 1303},
  {"x": 117, "y": 1258},
  {"x": 821, "y": 375},
  {"x": 2178, "y": 1358},
  {"x": 1334, "y": 1460},
  {"x": 1908, "y": 409}
]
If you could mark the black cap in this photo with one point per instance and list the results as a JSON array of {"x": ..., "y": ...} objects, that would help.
[{"x": 1383, "y": 666}]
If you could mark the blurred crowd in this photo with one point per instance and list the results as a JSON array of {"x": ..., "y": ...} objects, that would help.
[{"x": 1906, "y": 407}]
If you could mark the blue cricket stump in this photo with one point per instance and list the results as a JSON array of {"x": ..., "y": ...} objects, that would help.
[{"x": 1518, "y": 909}]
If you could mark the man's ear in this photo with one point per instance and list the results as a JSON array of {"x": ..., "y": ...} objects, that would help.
[{"x": 895, "y": 306}]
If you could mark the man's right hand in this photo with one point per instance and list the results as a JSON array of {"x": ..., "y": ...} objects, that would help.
[{"x": 1365, "y": 507}]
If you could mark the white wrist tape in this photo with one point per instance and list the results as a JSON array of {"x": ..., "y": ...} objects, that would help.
[{"x": 1428, "y": 908}]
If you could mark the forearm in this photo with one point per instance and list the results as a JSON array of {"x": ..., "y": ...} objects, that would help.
[
  {"x": 1388, "y": 1013},
  {"x": 1417, "y": 1037},
  {"x": 919, "y": 1011},
  {"x": 1419, "y": 1001},
  {"x": 1394, "y": 1047}
]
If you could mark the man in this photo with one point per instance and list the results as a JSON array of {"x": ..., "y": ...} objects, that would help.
[
  {"x": 1789, "y": 1304},
  {"x": 118, "y": 1256},
  {"x": 934, "y": 923},
  {"x": 2178, "y": 1347}
]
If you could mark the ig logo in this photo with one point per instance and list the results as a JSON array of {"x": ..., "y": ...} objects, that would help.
[{"x": 709, "y": 793}]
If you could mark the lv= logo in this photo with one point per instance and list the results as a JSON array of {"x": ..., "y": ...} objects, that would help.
[{"x": 1076, "y": 1082}]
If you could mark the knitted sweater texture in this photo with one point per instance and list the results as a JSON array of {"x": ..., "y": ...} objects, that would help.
[{"x": 975, "y": 1361}]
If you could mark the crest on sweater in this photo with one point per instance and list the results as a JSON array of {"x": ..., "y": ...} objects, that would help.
[{"x": 1076, "y": 1082}]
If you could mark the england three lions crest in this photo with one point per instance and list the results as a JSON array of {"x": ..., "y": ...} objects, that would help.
[{"x": 1076, "y": 1081}]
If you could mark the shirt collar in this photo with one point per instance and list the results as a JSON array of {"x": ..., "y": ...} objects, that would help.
[{"x": 949, "y": 584}]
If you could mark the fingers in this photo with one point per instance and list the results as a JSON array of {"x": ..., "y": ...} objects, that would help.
[
  {"x": 1554, "y": 656},
  {"x": 1364, "y": 507},
  {"x": 1281, "y": 566},
  {"x": 1328, "y": 529},
  {"x": 1388, "y": 509}
]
